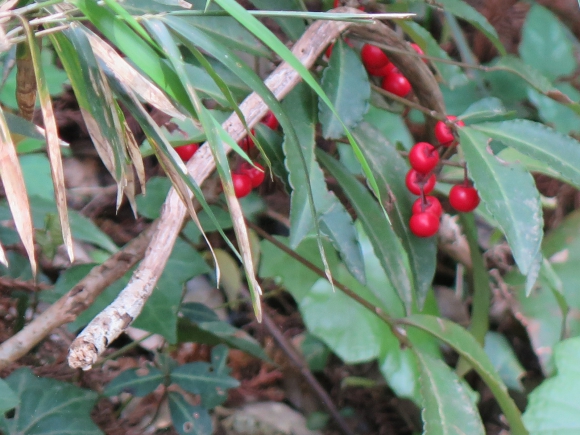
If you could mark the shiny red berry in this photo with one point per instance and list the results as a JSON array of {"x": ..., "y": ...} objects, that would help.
[
  {"x": 270, "y": 120},
  {"x": 423, "y": 157},
  {"x": 256, "y": 173},
  {"x": 444, "y": 134},
  {"x": 419, "y": 50},
  {"x": 242, "y": 184},
  {"x": 396, "y": 83},
  {"x": 373, "y": 57},
  {"x": 431, "y": 205},
  {"x": 415, "y": 181},
  {"x": 463, "y": 198},
  {"x": 186, "y": 151},
  {"x": 424, "y": 224},
  {"x": 336, "y": 3},
  {"x": 382, "y": 71},
  {"x": 247, "y": 143}
]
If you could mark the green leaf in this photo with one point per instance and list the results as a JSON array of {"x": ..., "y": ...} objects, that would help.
[
  {"x": 346, "y": 83},
  {"x": 465, "y": 344},
  {"x": 484, "y": 110},
  {"x": 447, "y": 408},
  {"x": 315, "y": 352},
  {"x": 561, "y": 116},
  {"x": 553, "y": 407},
  {"x": 385, "y": 241},
  {"x": 48, "y": 406},
  {"x": 210, "y": 381},
  {"x": 137, "y": 382},
  {"x": 545, "y": 45},
  {"x": 504, "y": 359},
  {"x": 335, "y": 222},
  {"x": 390, "y": 169},
  {"x": 8, "y": 398},
  {"x": 187, "y": 418},
  {"x": 18, "y": 125},
  {"x": 452, "y": 75},
  {"x": 463, "y": 10},
  {"x": 560, "y": 152},
  {"x": 293, "y": 27},
  {"x": 205, "y": 327},
  {"x": 509, "y": 193}
]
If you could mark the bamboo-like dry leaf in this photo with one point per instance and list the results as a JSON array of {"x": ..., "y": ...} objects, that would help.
[
  {"x": 52, "y": 141},
  {"x": 6, "y": 6},
  {"x": 130, "y": 187},
  {"x": 130, "y": 77},
  {"x": 133, "y": 150},
  {"x": 3, "y": 258},
  {"x": 13, "y": 181},
  {"x": 25, "y": 80}
]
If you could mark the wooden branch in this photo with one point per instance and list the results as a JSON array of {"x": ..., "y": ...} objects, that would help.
[
  {"x": 112, "y": 321},
  {"x": 78, "y": 299}
]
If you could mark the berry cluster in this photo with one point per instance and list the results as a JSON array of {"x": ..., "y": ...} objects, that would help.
[
  {"x": 248, "y": 176},
  {"x": 378, "y": 64},
  {"x": 420, "y": 180}
]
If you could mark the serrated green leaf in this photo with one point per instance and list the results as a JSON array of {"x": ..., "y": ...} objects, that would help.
[
  {"x": 504, "y": 359},
  {"x": 484, "y": 110},
  {"x": 390, "y": 170},
  {"x": 346, "y": 83},
  {"x": 137, "y": 382},
  {"x": 560, "y": 152},
  {"x": 465, "y": 344},
  {"x": 553, "y": 407},
  {"x": 545, "y": 45},
  {"x": 451, "y": 74},
  {"x": 510, "y": 195},
  {"x": 48, "y": 406},
  {"x": 187, "y": 418},
  {"x": 386, "y": 243},
  {"x": 463, "y": 10},
  {"x": 447, "y": 407},
  {"x": 560, "y": 116},
  {"x": 532, "y": 76},
  {"x": 335, "y": 221}
]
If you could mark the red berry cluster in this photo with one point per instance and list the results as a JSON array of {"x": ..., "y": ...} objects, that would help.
[
  {"x": 420, "y": 180},
  {"x": 378, "y": 64},
  {"x": 248, "y": 177}
]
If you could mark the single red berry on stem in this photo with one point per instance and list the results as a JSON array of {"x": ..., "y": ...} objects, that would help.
[
  {"x": 186, "y": 151},
  {"x": 444, "y": 134},
  {"x": 463, "y": 198},
  {"x": 373, "y": 57},
  {"x": 242, "y": 184},
  {"x": 424, "y": 224},
  {"x": 270, "y": 120},
  {"x": 415, "y": 182},
  {"x": 431, "y": 205},
  {"x": 396, "y": 83},
  {"x": 423, "y": 157},
  {"x": 256, "y": 173}
]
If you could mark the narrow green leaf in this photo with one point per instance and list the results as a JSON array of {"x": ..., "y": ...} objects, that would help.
[
  {"x": 559, "y": 151},
  {"x": 137, "y": 382},
  {"x": 390, "y": 169},
  {"x": 451, "y": 74},
  {"x": 293, "y": 27},
  {"x": 346, "y": 83},
  {"x": 509, "y": 193},
  {"x": 463, "y": 10},
  {"x": 385, "y": 242},
  {"x": 447, "y": 408},
  {"x": 464, "y": 344}
]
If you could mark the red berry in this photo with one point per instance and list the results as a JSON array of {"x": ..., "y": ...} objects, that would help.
[
  {"x": 416, "y": 181},
  {"x": 382, "y": 71},
  {"x": 336, "y": 3},
  {"x": 463, "y": 198},
  {"x": 396, "y": 83},
  {"x": 270, "y": 120},
  {"x": 242, "y": 184},
  {"x": 424, "y": 224},
  {"x": 186, "y": 151},
  {"x": 247, "y": 143},
  {"x": 444, "y": 134},
  {"x": 432, "y": 205},
  {"x": 423, "y": 157},
  {"x": 256, "y": 173},
  {"x": 373, "y": 57},
  {"x": 418, "y": 50},
  {"x": 328, "y": 51}
]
